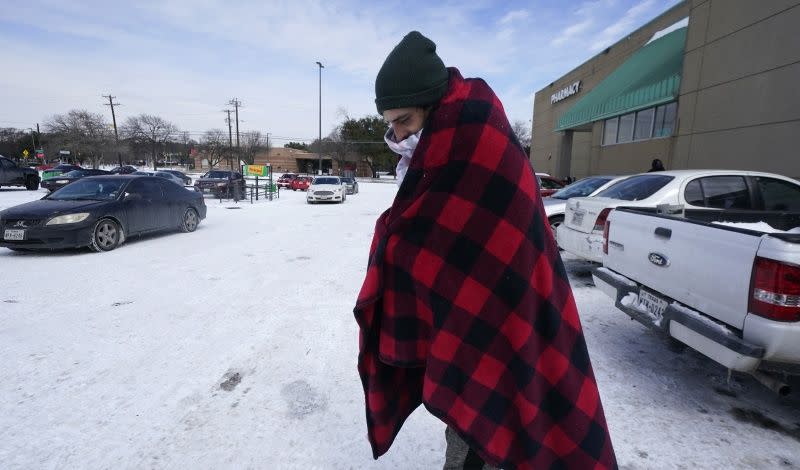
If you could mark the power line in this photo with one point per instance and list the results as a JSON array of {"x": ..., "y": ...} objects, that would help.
[
  {"x": 236, "y": 105},
  {"x": 114, "y": 119}
]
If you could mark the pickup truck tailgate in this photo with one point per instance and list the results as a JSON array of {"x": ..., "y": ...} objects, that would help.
[{"x": 706, "y": 268}]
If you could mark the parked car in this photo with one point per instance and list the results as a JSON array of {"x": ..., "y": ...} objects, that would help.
[
  {"x": 221, "y": 183},
  {"x": 724, "y": 282},
  {"x": 351, "y": 184},
  {"x": 326, "y": 188},
  {"x": 101, "y": 212},
  {"x": 548, "y": 185},
  {"x": 300, "y": 183},
  {"x": 582, "y": 231},
  {"x": 12, "y": 174},
  {"x": 124, "y": 170},
  {"x": 56, "y": 182},
  {"x": 186, "y": 180},
  {"x": 556, "y": 204},
  {"x": 285, "y": 180},
  {"x": 169, "y": 177}
]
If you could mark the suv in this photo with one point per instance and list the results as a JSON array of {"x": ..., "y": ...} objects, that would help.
[
  {"x": 13, "y": 175},
  {"x": 221, "y": 183}
]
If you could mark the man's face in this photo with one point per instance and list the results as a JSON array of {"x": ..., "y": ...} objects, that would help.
[{"x": 405, "y": 121}]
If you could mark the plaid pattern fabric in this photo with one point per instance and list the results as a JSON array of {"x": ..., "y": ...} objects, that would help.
[{"x": 466, "y": 306}]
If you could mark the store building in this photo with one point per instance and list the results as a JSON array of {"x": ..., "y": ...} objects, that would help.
[{"x": 707, "y": 84}]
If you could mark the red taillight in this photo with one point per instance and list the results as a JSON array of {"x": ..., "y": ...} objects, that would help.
[
  {"x": 601, "y": 219},
  {"x": 776, "y": 290},
  {"x": 606, "y": 228}
]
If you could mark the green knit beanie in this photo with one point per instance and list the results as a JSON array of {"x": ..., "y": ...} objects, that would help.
[{"x": 412, "y": 75}]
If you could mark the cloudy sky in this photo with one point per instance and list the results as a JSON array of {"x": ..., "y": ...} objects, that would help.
[{"x": 184, "y": 60}]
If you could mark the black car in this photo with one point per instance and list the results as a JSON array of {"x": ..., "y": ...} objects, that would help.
[
  {"x": 186, "y": 180},
  {"x": 124, "y": 170},
  {"x": 101, "y": 212},
  {"x": 221, "y": 183},
  {"x": 60, "y": 181},
  {"x": 12, "y": 174}
]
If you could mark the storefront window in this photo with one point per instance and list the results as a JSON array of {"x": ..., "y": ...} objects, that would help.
[
  {"x": 610, "y": 132},
  {"x": 626, "y": 123},
  {"x": 644, "y": 124},
  {"x": 650, "y": 123},
  {"x": 665, "y": 120}
]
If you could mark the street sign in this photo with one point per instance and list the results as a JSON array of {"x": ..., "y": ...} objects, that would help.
[
  {"x": 256, "y": 170},
  {"x": 63, "y": 152},
  {"x": 25, "y": 153}
]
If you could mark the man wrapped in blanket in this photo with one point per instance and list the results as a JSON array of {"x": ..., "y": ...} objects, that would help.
[{"x": 466, "y": 306}]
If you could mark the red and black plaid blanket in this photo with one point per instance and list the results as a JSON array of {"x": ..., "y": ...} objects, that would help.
[{"x": 466, "y": 306}]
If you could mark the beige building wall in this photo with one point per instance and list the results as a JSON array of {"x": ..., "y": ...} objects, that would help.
[
  {"x": 546, "y": 148},
  {"x": 739, "y": 104}
]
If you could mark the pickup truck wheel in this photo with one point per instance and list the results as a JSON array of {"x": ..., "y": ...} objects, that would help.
[{"x": 555, "y": 221}]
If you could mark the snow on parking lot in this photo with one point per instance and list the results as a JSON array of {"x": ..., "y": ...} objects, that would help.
[{"x": 235, "y": 347}]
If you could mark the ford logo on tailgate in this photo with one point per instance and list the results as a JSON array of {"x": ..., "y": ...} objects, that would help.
[{"x": 658, "y": 259}]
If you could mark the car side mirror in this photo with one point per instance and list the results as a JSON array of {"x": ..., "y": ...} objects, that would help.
[{"x": 132, "y": 196}]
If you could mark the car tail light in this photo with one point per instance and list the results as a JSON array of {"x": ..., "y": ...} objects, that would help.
[
  {"x": 600, "y": 223},
  {"x": 775, "y": 291},
  {"x": 606, "y": 228}
]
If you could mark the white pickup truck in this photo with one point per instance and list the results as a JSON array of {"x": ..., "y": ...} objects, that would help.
[{"x": 725, "y": 283}]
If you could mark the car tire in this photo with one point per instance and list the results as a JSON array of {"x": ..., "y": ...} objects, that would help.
[
  {"x": 106, "y": 235},
  {"x": 555, "y": 221},
  {"x": 189, "y": 221},
  {"x": 31, "y": 184}
]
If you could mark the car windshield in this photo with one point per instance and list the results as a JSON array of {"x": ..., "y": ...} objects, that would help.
[
  {"x": 217, "y": 174},
  {"x": 347, "y": 180},
  {"x": 636, "y": 188},
  {"x": 88, "y": 190},
  {"x": 75, "y": 173},
  {"x": 581, "y": 188},
  {"x": 327, "y": 181}
]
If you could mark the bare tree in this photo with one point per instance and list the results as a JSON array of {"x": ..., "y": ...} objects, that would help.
[
  {"x": 523, "y": 133},
  {"x": 150, "y": 130},
  {"x": 214, "y": 146},
  {"x": 251, "y": 144},
  {"x": 86, "y": 135}
]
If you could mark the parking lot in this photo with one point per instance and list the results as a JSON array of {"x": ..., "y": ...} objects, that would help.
[{"x": 235, "y": 346}]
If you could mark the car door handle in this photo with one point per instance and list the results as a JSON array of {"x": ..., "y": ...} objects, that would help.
[{"x": 662, "y": 232}]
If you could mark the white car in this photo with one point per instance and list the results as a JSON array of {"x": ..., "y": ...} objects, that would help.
[
  {"x": 556, "y": 205},
  {"x": 326, "y": 189},
  {"x": 581, "y": 233}
]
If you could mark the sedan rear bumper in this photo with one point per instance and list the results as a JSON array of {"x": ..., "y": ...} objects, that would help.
[{"x": 586, "y": 245}]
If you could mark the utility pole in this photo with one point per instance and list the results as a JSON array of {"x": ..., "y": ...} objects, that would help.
[
  {"x": 236, "y": 105},
  {"x": 230, "y": 138},
  {"x": 319, "y": 142},
  {"x": 114, "y": 120}
]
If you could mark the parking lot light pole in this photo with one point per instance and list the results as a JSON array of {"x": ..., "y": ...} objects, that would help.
[{"x": 319, "y": 142}]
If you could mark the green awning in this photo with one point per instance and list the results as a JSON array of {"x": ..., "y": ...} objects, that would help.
[{"x": 651, "y": 76}]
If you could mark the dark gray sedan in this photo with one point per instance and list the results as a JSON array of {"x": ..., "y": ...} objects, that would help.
[{"x": 101, "y": 212}]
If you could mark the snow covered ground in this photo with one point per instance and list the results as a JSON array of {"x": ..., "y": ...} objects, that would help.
[{"x": 235, "y": 347}]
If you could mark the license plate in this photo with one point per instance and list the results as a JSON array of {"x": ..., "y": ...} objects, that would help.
[
  {"x": 654, "y": 304},
  {"x": 14, "y": 235},
  {"x": 577, "y": 218}
]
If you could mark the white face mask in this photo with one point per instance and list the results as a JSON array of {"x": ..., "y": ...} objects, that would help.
[{"x": 404, "y": 148}]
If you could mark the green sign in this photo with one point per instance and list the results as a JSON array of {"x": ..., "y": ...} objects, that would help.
[{"x": 256, "y": 170}]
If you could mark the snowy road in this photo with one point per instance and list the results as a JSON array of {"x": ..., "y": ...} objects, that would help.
[{"x": 116, "y": 360}]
